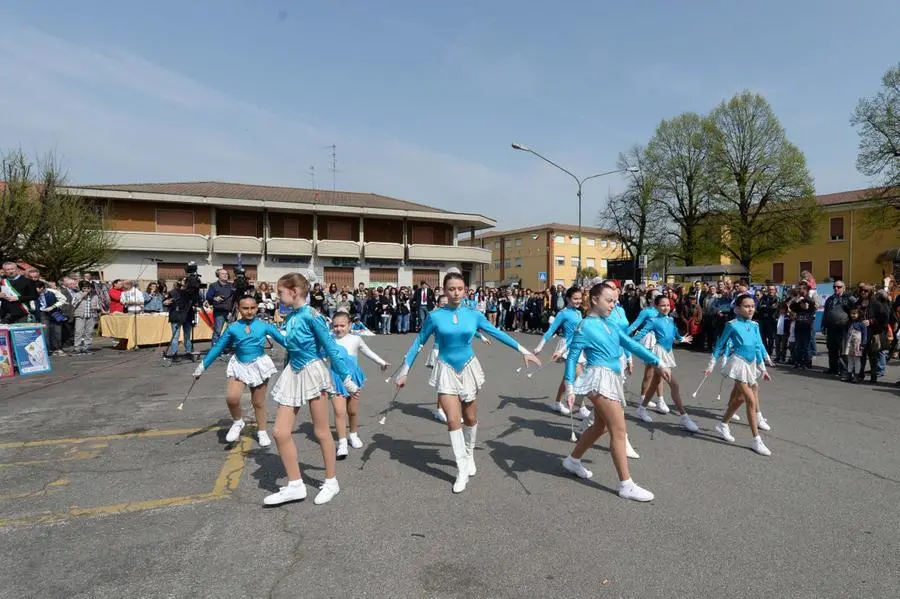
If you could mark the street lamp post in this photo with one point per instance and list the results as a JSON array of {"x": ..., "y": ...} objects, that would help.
[{"x": 580, "y": 183}]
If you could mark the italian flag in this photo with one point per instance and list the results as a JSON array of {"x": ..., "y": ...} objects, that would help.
[{"x": 8, "y": 289}]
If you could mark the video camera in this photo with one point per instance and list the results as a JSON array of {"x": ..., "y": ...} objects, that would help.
[
  {"x": 242, "y": 286},
  {"x": 192, "y": 282}
]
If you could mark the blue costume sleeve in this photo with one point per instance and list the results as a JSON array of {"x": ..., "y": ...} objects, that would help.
[
  {"x": 761, "y": 354},
  {"x": 216, "y": 350},
  {"x": 554, "y": 326},
  {"x": 638, "y": 322},
  {"x": 421, "y": 339},
  {"x": 496, "y": 333},
  {"x": 275, "y": 333},
  {"x": 722, "y": 342},
  {"x": 630, "y": 345},
  {"x": 576, "y": 346},
  {"x": 328, "y": 345}
]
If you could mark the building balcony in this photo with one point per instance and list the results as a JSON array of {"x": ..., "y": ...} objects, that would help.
[
  {"x": 161, "y": 242},
  {"x": 235, "y": 244},
  {"x": 334, "y": 248},
  {"x": 450, "y": 253},
  {"x": 384, "y": 250},
  {"x": 283, "y": 246}
]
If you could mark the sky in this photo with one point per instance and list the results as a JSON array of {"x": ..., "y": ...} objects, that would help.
[{"x": 423, "y": 99}]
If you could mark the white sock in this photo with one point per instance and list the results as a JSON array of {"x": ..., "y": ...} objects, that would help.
[
  {"x": 295, "y": 483},
  {"x": 623, "y": 484},
  {"x": 332, "y": 480},
  {"x": 660, "y": 398},
  {"x": 576, "y": 460},
  {"x": 757, "y": 438},
  {"x": 239, "y": 421},
  {"x": 342, "y": 439}
]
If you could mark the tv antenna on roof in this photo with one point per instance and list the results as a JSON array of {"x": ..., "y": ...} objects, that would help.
[
  {"x": 334, "y": 167},
  {"x": 312, "y": 176}
]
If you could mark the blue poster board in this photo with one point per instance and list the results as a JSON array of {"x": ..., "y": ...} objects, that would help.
[{"x": 30, "y": 348}]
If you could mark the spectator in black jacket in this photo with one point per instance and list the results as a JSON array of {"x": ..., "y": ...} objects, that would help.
[
  {"x": 18, "y": 293},
  {"x": 803, "y": 309},
  {"x": 767, "y": 316},
  {"x": 835, "y": 317}
]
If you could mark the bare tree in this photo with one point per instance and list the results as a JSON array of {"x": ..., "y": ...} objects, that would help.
[
  {"x": 877, "y": 120},
  {"x": 763, "y": 190},
  {"x": 635, "y": 215},
  {"x": 45, "y": 225},
  {"x": 677, "y": 158}
]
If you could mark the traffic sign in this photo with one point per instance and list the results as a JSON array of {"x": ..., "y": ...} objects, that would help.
[
  {"x": 542, "y": 276},
  {"x": 654, "y": 276}
]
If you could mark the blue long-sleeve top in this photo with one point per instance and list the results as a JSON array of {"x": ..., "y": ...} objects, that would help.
[
  {"x": 248, "y": 346},
  {"x": 453, "y": 330},
  {"x": 602, "y": 343},
  {"x": 618, "y": 317},
  {"x": 567, "y": 320},
  {"x": 307, "y": 338},
  {"x": 745, "y": 340},
  {"x": 645, "y": 315},
  {"x": 665, "y": 331}
]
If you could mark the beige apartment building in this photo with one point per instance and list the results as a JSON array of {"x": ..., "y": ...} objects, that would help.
[
  {"x": 543, "y": 254},
  {"x": 347, "y": 238}
]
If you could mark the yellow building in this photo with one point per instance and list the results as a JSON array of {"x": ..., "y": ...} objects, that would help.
[
  {"x": 847, "y": 247},
  {"x": 543, "y": 254}
]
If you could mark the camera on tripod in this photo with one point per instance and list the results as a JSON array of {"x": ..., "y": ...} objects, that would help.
[
  {"x": 242, "y": 286},
  {"x": 192, "y": 282}
]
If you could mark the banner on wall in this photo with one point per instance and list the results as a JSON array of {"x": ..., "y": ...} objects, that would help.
[
  {"x": 6, "y": 355},
  {"x": 30, "y": 349}
]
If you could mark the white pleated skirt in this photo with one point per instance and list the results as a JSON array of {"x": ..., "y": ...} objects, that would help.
[
  {"x": 649, "y": 340},
  {"x": 739, "y": 369},
  {"x": 432, "y": 358},
  {"x": 600, "y": 380},
  {"x": 562, "y": 348},
  {"x": 295, "y": 389},
  {"x": 253, "y": 374},
  {"x": 666, "y": 358},
  {"x": 465, "y": 384}
]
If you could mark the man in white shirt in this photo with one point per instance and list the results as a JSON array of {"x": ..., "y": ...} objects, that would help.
[{"x": 132, "y": 298}]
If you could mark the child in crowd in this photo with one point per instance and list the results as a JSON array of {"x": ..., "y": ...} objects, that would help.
[
  {"x": 782, "y": 330},
  {"x": 855, "y": 338}
]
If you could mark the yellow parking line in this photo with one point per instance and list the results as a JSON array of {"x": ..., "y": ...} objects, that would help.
[
  {"x": 75, "y": 440},
  {"x": 227, "y": 481},
  {"x": 230, "y": 475},
  {"x": 76, "y": 457},
  {"x": 62, "y": 482}
]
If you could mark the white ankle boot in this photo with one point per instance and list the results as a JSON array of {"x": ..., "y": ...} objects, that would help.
[
  {"x": 458, "y": 443},
  {"x": 469, "y": 434}
]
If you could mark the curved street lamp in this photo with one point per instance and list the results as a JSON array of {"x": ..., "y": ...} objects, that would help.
[{"x": 579, "y": 182}]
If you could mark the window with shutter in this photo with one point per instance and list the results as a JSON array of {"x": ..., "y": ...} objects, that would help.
[{"x": 837, "y": 228}]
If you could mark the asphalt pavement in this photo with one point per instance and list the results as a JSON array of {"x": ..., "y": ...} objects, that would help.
[{"x": 106, "y": 490}]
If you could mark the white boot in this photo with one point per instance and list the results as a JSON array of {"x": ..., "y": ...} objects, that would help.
[
  {"x": 458, "y": 443},
  {"x": 629, "y": 450},
  {"x": 469, "y": 434}
]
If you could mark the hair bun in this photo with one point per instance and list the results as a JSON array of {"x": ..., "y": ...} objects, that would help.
[{"x": 454, "y": 270}]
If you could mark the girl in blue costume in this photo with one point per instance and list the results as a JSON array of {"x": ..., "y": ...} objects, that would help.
[
  {"x": 345, "y": 403},
  {"x": 438, "y": 412},
  {"x": 306, "y": 380},
  {"x": 666, "y": 334},
  {"x": 617, "y": 317},
  {"x": 457, "y": 375},
  {"x": 249, "y": 367},
  {"x": 566, "y": 322},
  {"x": 602, "y": 343},
  {"x": 647, "y": 339},
  {"x": 748, "y": 355}
]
